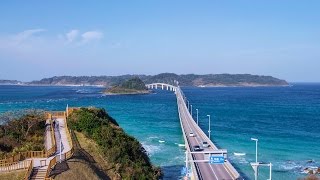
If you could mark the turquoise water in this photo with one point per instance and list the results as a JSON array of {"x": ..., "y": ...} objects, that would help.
[{"x": 285, "y": 119}]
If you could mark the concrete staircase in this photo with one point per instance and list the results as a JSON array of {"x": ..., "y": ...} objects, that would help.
[{"x": 39, "y": 173}]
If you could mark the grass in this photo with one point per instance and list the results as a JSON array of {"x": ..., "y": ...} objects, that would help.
[
  {"x": 87, "y": 162},
  {"x": 14, "y": 175}
]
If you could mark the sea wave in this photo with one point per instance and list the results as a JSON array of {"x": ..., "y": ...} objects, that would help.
[
  {"x": 238, "y": 159},
  {"x": 302, "y": 167},
  {"x": 151, "y": 149},
  {"x": 84, "y": 91}
]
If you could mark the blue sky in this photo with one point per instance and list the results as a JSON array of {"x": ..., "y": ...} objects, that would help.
[{"x": 42, "y": 39}]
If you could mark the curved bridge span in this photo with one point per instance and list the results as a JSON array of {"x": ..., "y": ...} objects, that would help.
[
  {"x": 200, "y": 165},
  {"x": 163, "y": 86}
]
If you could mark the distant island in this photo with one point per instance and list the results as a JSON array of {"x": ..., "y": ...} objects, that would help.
[
  {"x": 208, "y": 80},
  {"x": 131, "y": 86},
  {"x": 10, "y": 82}
]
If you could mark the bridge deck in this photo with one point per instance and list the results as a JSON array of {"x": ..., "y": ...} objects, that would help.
[{"x": 204, "y": 170}]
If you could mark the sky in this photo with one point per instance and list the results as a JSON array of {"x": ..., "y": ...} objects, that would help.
[{"x": 41, "y": 39}]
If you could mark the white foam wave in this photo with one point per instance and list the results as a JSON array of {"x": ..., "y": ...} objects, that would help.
[
  {"x": 151, "y": 149},
  {"x": 153, "y": 137},
  {"x": 84, "y": 91},
  {"x": 297, "y": 166},
  {"x": 239, "y": 154},
  {"x": 239, "y": 159}
]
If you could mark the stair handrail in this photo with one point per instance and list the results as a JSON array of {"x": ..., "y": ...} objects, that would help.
[{"x": 29, "y": 171}]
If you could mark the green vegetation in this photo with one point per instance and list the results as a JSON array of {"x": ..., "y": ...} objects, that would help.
[
  {"x": 123, "y": 152},
  {"x": 131, "y": 86},
  {"x": 184, "y": 80},
  {"x": 20, "y": 133},
  {"x": 86, "y": 163},
  {"x": 217, "y": 80}
]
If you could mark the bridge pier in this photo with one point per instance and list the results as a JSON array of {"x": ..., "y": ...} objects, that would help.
[
  {"x": 167, "y": 87},
  {"x": 162, "y": 86}
]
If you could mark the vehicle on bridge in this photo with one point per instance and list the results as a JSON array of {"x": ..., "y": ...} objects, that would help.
[
  {"x": 205, "y": 144},
  {"x": 197, "y": 148},
  {"x": 191, "y": 134}
]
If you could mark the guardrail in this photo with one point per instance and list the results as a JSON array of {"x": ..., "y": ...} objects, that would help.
[
  {"x": 194, "y": 167},
  {"x": 14, "y": 166},
  {"x": 53, "y": 149},
  {"x": 52, "y": 163},
  {"x": 11, "y": 159},
  {"x": 58, "y": 114},
  {"x": 64, "y": 156},
  {"x": 229, "y": 167},
  {"x": 29, "y": 171}
]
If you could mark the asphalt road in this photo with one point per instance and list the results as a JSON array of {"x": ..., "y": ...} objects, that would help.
[{"x": 206, "y": 171}]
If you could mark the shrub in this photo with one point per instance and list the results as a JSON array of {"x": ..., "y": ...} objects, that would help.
[{"x": 120, "y": 149}]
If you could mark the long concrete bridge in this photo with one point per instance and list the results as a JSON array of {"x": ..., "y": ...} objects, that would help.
[{"x": 203, "y": 164}]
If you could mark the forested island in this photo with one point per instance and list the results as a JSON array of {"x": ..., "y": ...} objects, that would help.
[
  {"x": 208, "y": 80},
  {"x": 131, "y": 86}
]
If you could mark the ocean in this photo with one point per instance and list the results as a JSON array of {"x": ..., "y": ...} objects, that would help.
[{"x": 286, "y": 121}]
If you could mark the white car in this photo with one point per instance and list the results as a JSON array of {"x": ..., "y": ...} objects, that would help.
[
  {"x": 205, "y": 144},
  {"x": 191, "y": 134}
]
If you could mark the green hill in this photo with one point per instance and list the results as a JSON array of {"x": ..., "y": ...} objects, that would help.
[
  {"x": 184, "y": 80},
  {"x": 123, "y": 154},
  {"x": 131, "y": 86}
]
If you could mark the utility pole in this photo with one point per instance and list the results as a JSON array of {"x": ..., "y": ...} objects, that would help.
[
  {"x": 255, "y": 165},
  {"x": 209, "y": 126}
]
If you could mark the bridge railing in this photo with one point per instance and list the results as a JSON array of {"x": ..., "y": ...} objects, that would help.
[
  {"x": 227, "y": 164},
  {"x": 195, "y": 168}
]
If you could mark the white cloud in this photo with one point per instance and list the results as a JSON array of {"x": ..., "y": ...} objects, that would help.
[
  {"x": 72, "y": 35},
  {"x": 91, "y": 36},
  {"x": 26, "y": 34},
  {"x": 32, "y": 42}
]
